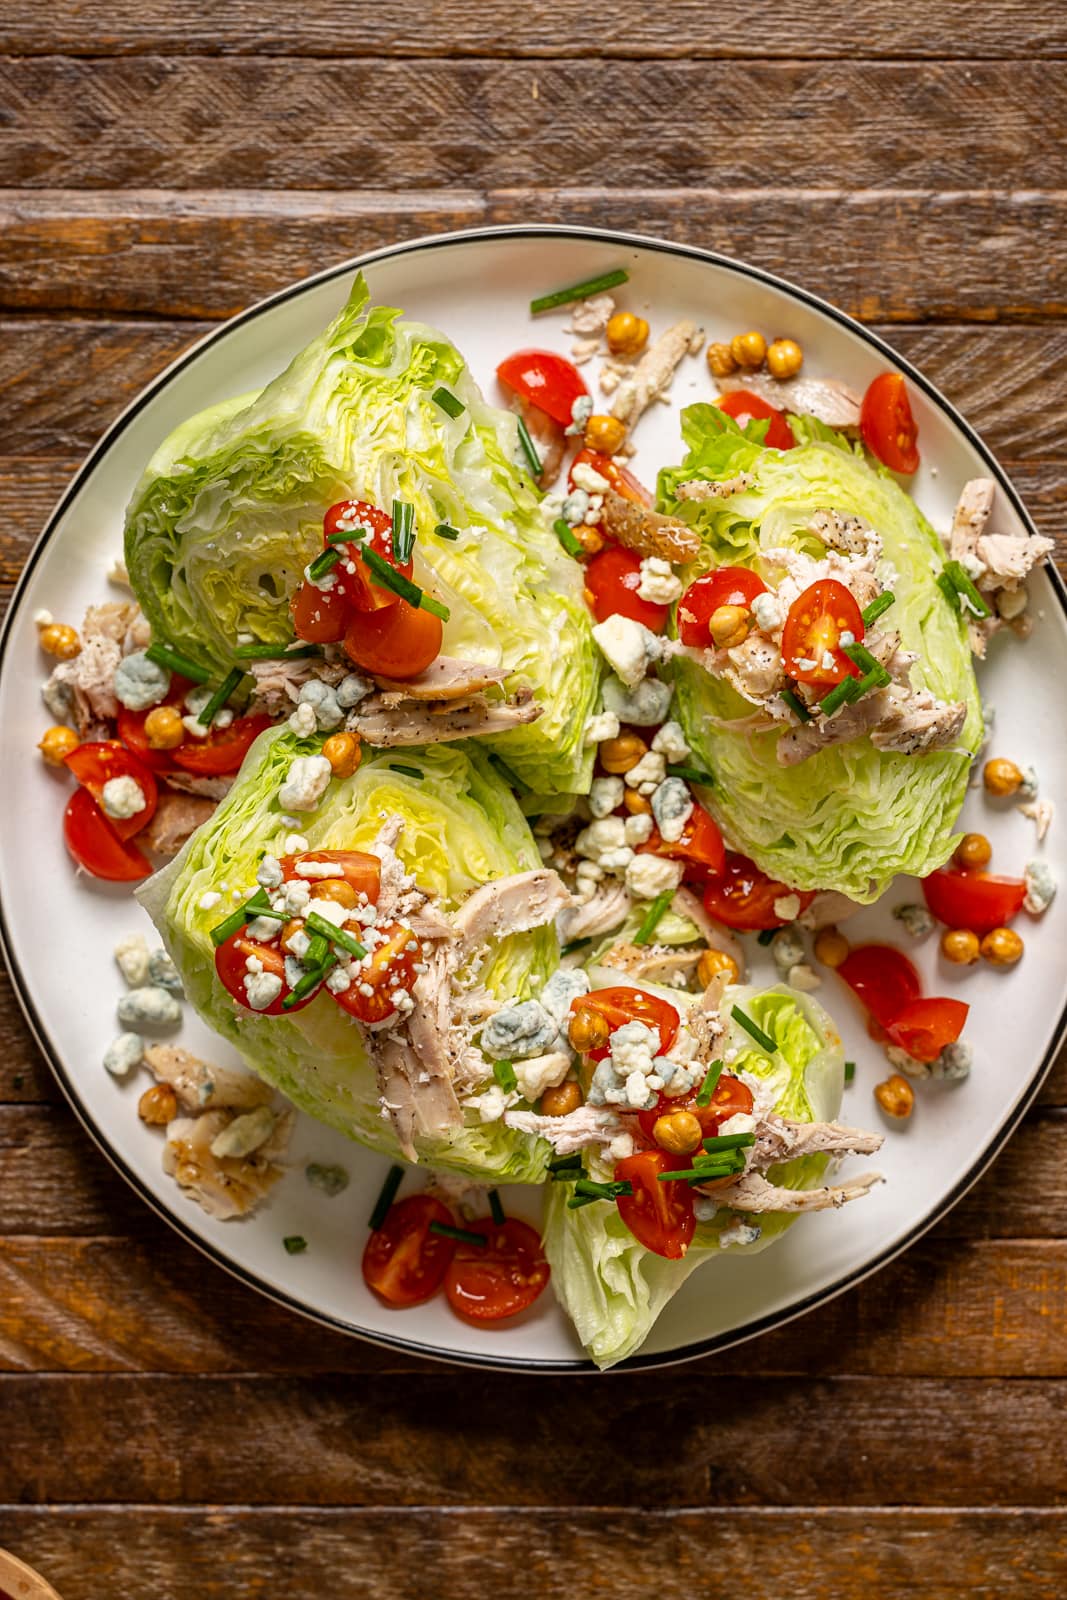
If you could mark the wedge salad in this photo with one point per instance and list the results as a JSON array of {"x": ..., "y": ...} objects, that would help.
[{"x": 459, "y": 769}]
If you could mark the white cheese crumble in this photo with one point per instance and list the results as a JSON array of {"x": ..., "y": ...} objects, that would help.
[
  {"x": 209, "y": 901},
  {"x": 1040, "y": 887},
  {"x": 603, "y": 725},
  {"x": 604, "y": 795},
  {"x": 583, "y": 476},
  {"x": 787, "y": 907},
  {"x": 302, "y": 721},
  {"x": 306, "y": 783},
  {"x": 670, "y": 742},
  {"x": 638, "y": 828},
  {"x": 648, "y": 876},
  {"x": 767, "y": 611},
  {"x": 627, "y": 647},
  {"x": 658, "y": 584},
  {"x": 122, "y": 797},
  {"x": 650, "y": 770},
  {"x": 262, "y": 989}
]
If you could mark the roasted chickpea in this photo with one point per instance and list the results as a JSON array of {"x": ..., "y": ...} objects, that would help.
[
  {"x": 587, "y": 1030},
  {"x": 895, "y": 1096},
  {"x": 57, "y": 743},
  {"x": 784, "y": 358},
  {"x": 344, "y": 753},
  {"x": 590, "y": 539},
  {"x": 1001, "y": 777},
  {"x": 636, "y": 804},
  {"x": 626, "y": 334},
  {"x": 620, "y": 754},
  {"x": 973, "y": 850},
  {"x": 960, "y": 946},
  {"x": 1002, "y": 948},
  {"x": 679, "y": 1132},
  {"x": 294, "y": 926},
  {"x": 720, "y": 358},
  {"x": 748, "y": 349},
  {"x": 158, "y": 1105},
  {"x": 712, "y": 962},
  {"x": 337, "y": 890},
  {"x": 831, "y": 947},
  {"x": 729, "y": 626},
  {"x": 562, "y": 1100},
  {"x": 604, "y": 433},
  {"x": 163, "y": 728},
  {"x": 57, "y": 639}
]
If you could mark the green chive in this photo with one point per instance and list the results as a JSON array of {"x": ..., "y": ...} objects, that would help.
[
  {"x": 504, "y": 1073},
  {"x": 409, "y": 772},
  {"x": 323, "y": 563},
  {"x": 766, "y": 937},
  {"x": 602, "y": 1191},
  {"x": 347, "y": 536},
  {"x": 728, "y": 1141},
  {"x": 653, "y": 917},
  {"x": 876, "y": 608},
  {"x": 753, "y": 1029},
  {"x": 573, "y": 945},
  {"x": 445, "y": 1230},
  {"x": 273, "y": 652},
  {"x": 710, "y": 1084},
  {"x": 236, "y": 920},
  {"x": 164, "y": 656},
  {"x": 403, "y": 530},
  {"x": 495, "y": 1208},
  {"x": 558, "y": 1163},
  {"x": 948, "y": 589},
  {"x": 533, "y": 460},
  {"x": 868, "y": 665},
  {"x": 309, "y": 981},
  {"x": 566, "y": 537},
  {"x": 251, "y": 912},
  {"x": 220, "y": 697},
  {"x": 448, "y": 402},
  {"x": 576, "y": 1201},
  {"x": 796, "y": 705},
  {"x": 565, "y": 1174},
  {"x": 317, "y": 951},
  {"x": 295, "y": 1244},
  {"x": 718, "y": 1169},
  {"x": 335, "y": 935},
  {"x": 580, "y": 291},
  {"x": 394, "y": 1178},
  {"x": 842, "y": 693},
  {"x": 445, "y": 530},
  {"x": 391, "y": 579},
  {"x": 963, "y": 583},
  {"x": 691, "y": 774},
  {"x": 850, "y": 1071}
]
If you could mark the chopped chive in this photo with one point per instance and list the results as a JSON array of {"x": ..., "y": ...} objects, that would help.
[
  {"x": 449, "y": 403},
  {"x": 391, "y": 579},
  {"x": 529, "y": 450},
  {"x": 877, "y": 607},
  {"x": 653, "y": 916},
  {"x": 728, "y": 1141},
  {"x": 576, "y": 1201},
  {"x": 602, "y": 1191},
  {"x": 558, "y": 1163},
  {"x": 354, "y": 535},
  {"x": 325, "y": 929},
  {"x": 496, "y": 1208},
  {"x": 710, "y": 1084},
  {"x": 295, "y": 1244},
  {"x": 393, "y": 1179},
  {"x": 308, "y": 982},
  {"x": 220, "y": 697},
  {"x": 273, "y": 652},
  {"x": 690, "y": 774},
  {"x": 948, "y": 589},
  {"x": 868, "y": 664},
  {"x": 409, "y": 772},
  {"x": 753, "y": 1029},
  {"x": 566, "y": 537},
  {"x": 842, "y": 693},
  {"x": 236, "y": 920},
  {"x": 164, "y": 656},
  {"x": 508, "y": 776},
  {"x": 403, "y": 530},
  {"x": 445, "y": 530},
  {"x": 445, "y": 1230},
  {"x": 504, "y": 1073},
  {"x": 317, "y": 951},
  {"x": 565, "y": 1174},
  {"x": 766, "y": 937},
  {"x": 572, "y": 945},
  {"x": 251, "y": 912},
  {"x": 323, "y": 563},
  {"x": 850, "y": 1071},
  {"x": 700, "y": 1174},
  {"x": 963, "y": 583},
  {"x": 796, "y": 705},
  {"x": 580, "y": 291}
]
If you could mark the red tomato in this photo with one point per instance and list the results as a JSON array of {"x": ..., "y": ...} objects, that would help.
[
  {"x": 746, "y": 407},
  {"x": 814, "y": 626},
  {"x": 726, "y": 586},
  {"x": 95, "y": 765},
  {"x": 358, "y": 587},
  {"x": 743, "y": 896},
  {"x": 230, "y": 963},
  {"x": 319, "y": 615},
  {"x": 976, "y": 900},
  {"x": 623, "y": 1004},
  {"x": 883, "y": 978},
  {"x": 622, "y": 481},
  {"x": 548, "y": 381},
  {"x": 361, "y": 871},
  {"x": 925, "y": 1027},
  {"x": 701, "y": 843},
  {"x": 887, "y": 425},
  {"x": 130, "y": 728},
  {"x": 612, "y": 578},
  {"x": 403, "y": 1262},
  {"x": 729, "y": 1097},
  {"x": 223, "y": 750},
  {"x": 392, "y": 965},
  {"x": 96, "y": 846},
  {"x": 500, "y": 1280},
  {"x": 659, "y": 1215},
  {"x": 396, "y": 642}
]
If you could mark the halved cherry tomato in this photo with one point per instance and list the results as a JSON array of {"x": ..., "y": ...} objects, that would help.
[
  {"x": 729, "y": 1097},
  {"x": 396, "y": 642},
  {"x": 231, "y": 958},
  {"x": 726, "y": 586},
  {"x": 95, "y": 845},
  {"x": 887, "y": 425},
  {"x": 130, "y": 726},
  {"x": 701, "y": 843},
  {"x": 403, "y": 1262},
  {"x": 361, "y": 871},
  {"x": 501, "y": 1279},
  {"x": 883, "y": 978},
  {"x": 620, "y": 479},
  {"x": 624, "y": 1004},
  {"x": 613, "y": 578},
  {"x": 924, "y": 1027},
  {"x": 319, "y": 615},
  {"x": 223, "y": 750},
  {"x": 358, "y": 587},
  {"x": 976, "y": 900},
  {"x": 96, "y": 764},
  {"x": 392, "y": 966},
  {"x": 548, "y": 381},
  {"x": 746, "y": 407},
  {"x": 813, "y": 628},
  {"x": 659, "y": 1215},
  {"x": 743, "y": 897}
]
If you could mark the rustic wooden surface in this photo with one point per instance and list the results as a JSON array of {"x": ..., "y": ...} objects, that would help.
[{"x": 167, "y": 1433}]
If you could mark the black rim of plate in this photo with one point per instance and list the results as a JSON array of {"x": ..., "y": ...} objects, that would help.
[{"x": 701, "y": 1347}]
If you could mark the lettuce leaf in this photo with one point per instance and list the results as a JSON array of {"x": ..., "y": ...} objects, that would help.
[{"x": 229, "y": 511}]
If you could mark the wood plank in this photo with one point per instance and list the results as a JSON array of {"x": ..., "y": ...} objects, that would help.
[
  {"x": 214, "y": 1553},
  {"x": 269, "y": 124},
  {"x": 881, "y": 254}
]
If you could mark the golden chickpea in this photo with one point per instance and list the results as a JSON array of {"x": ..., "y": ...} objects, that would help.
[
  {"x": 960, "y": 946},
  {"x": 636, "y": 804},
  {"x": 619, "y": 755},
  {"x": 712, "y": 962},
  {"x": 831, "y": 947},
  {"x": 57, "y": 743},
  {"x": 562, "y": 1100},
  {"x": 163, "y": 728},
  {"x": 604, "y": 433},
  {"x": 1002, "y": 948},
  {"x": 57, "y": 639},
  {"x": 158, "y": 1105},
  {"x": 337, "y": 890},
  {"x": 679, "y": 1132},
  {"x": 1001, "y": 777},
  {"x": 896, "y": 1096},
  {"x": 627, "y": 334},
  {"x": 587, "y": 1030},
  {"x": 590, "y": 539},
  {"x": 344, "y": 753},
  {"x": 784, "y": 358},
  {"x": 721, "y": 361},
  {"x": 729, "y": 626},
  {"x": 973, "y": 850},
  {"x": 748, "y": 349}
]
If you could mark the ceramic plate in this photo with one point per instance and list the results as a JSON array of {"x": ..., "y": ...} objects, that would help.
[{"x": 59, "y": 931}]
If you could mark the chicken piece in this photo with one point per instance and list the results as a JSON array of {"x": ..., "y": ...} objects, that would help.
[
  {"x": 87, "y": 684},
  {"x": 654, "y": 373},
  {"x": 607, "y": 908},
  {"x": 1040, "y": 813},
  {"x": 659, "y": 963},
  {"x": 567, "y": 1135},
  {"x": 224, "y": 1186},
  {"x": 646, "y": 531},
  {"x": 780, "y": 1140},
  {"x": 755, "y": 668},
  {"x": 1008, "y": 558},
  {"x": 752, "y": 1193},
  {"x": 970, "y": 517},
  {"x": 196, "y": 783},
  {"x": 915, "y": 722},
  {"x": 853, "y": 535},
  {"x": 176, "y": 819},
  {"x": 509, "y": 905},
  {"x": 590, "y": 318},
  {"x": 446, "y": 678},
  {"x": 851, "y": 722},
  {"x": 393, "y": 727},
  {"x": 200, "y": 1085},
  {"x": 279, "y": 682},
  {"x": 121, "y": 621},
  {"x": 704, "y": 489},
  {"x": 822, "y": 398},
  {"x": 417, "y": 1100}
]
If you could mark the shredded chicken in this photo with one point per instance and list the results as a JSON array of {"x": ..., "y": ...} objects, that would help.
[
  {"x": 822, "y": 398},
  {"x": 87, "y": 682},
  {"x": 853, "y": 535},
  {"x": 780, "y": 1140},
  {"x": 195, "y": 783},
  {"x": 605, "y": 910},
  {"x": 970, "y": 517},
  {"x": 176, "y": 819},
  {"x": 225, "y": 1186},
  {"x": 509, "y": 905},
  {"x": 653, "y": 374},
  {"x": 200, "y": 1085},
  {"x": 1007, "y": 559},
  {"x": 916, "y": 722},
  {"x": 753, "y": 1193},
  {"x": 657, "y": 962},
  {"x": 446, "y": 678},
  {"x": 647, "y": 532},
  {"x": 569, "y": 1134},
  {"x": 279, "y": 682},
  {"x": 754, "y": 668},
  {"x": 422, "y": 723},
  {"x": 998, "y": 562},
  {"x": 705, "y": 489}
]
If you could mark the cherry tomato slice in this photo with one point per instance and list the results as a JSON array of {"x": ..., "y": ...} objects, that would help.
[
  {"x": 811, "y": 638},
  {"x": 548, "y": 381},
  {"x": 701, "y": 843},
  {"x": 887, "y": 425},
  {"x": 223, "y": 750},
  {"x": 746, "y": 407},
  {"x": 357, "y": 587},
  {"x": 726, "y": 586},
  {"x": 743, "y": 896},
  {"x": 392, "y": 966},
  {"x": 96, "y": 846},
  {"x": 319, "y": 615},
  {"x": 231, "y": 959},
  {"x": 403, "y": 1262},
  {"x": 976, "y": 900},
  {"x": 97, "y": 764},
  {"x": 130, "y": 726},
  {"x": 924, "y": 1027},
  {"x": 486, "y": 1285},
  {"x": 396, "y": 642},
  {"x": 623, "y": 1004},
  {"x": 612, "y": 579},
  {"x": 883, "y": 978},
  {"x": 659, "y": 1215},
  {"x": 361, "y": 871},
  {"x": 620, "y": 479},
  {"x": 729, "y": 1097}
]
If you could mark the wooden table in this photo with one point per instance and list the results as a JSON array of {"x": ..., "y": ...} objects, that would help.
[{"x": 165, "y": 1433}]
